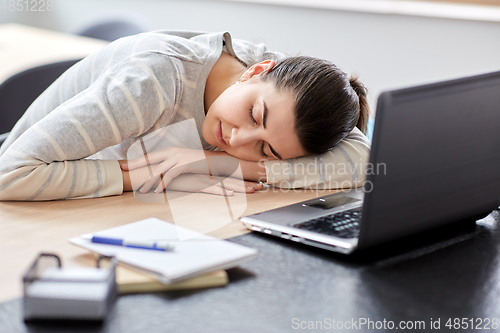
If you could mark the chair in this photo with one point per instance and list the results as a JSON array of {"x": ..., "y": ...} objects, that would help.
[
  {"x": 112, "y": 28},
  {"x": 20, "y": 90}
]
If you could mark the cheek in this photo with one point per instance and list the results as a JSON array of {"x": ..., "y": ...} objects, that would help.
[
  {"x": 206, "y": 131},
  {"x": 231, "y": 106},
  {"x": 222, "y": 109}
]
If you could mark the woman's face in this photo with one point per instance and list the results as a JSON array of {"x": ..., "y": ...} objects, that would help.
[{"x": 252, "y": 120}]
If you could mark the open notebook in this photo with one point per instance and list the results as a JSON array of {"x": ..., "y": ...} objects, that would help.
[{"x": 196, "y": 255}]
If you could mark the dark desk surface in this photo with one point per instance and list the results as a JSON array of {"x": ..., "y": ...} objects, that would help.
[{"x": 289, "y": 285}]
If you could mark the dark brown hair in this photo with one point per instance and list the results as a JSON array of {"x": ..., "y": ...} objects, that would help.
[{"x": 328, "y": 103}]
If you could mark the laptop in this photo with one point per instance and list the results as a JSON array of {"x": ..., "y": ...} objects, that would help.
[{"x": 435, "y": 160}]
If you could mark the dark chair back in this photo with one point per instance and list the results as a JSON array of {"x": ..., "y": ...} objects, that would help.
[{"x": 20, "y": 90}]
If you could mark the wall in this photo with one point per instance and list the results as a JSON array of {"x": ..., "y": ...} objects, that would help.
[{"x": 386, "y": 51}]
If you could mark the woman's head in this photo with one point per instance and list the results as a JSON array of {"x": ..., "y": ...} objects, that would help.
[
  {"x": 298, "y": 106},
  {"x": 252, "y": 120},
  {"x": 328, "y": 104}
]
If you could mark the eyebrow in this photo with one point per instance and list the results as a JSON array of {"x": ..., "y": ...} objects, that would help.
[{"x": 264, "y": 118}]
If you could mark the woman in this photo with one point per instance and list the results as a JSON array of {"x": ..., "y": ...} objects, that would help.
[{"x": 244, "y": 100}]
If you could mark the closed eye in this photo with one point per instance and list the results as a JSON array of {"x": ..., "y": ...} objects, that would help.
[
  {"x": 252, "y": 119},
  {"x": 262, "y": 153}
]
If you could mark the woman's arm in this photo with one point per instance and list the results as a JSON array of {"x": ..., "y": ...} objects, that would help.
[
  {"x": 172, "y": 162},
  {"x": 133, "y": 180},
  {"x": 342, "y": 167},
  {"x": 48, "y": 162}
]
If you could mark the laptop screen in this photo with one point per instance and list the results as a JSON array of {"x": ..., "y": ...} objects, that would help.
[{"x": 435, "y": 157}]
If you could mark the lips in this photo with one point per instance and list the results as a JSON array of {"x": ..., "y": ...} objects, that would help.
[{"x": 218, "y": 134}]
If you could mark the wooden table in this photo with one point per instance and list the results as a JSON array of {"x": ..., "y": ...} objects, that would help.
[
  {"x": 28, "y": 228},
  {"x": 22, "y": 47}
]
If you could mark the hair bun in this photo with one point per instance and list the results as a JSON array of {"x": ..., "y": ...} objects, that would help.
[{"x": 364, "y": 111}]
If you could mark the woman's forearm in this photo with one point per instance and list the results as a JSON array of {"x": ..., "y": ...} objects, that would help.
[
  {"x": 134, "y": 179},
  {"x": 127, "y": 184},
  {"x": 220, "y": 164},
  {"x": 33, "y": 180}
]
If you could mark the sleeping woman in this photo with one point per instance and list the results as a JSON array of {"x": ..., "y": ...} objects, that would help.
[{"x": 290, "y": 122}]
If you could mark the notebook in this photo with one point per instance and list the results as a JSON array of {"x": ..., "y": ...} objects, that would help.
[
  {"x": 199, "y": 254},
  {"x": 131, "y": 281},
  {"x": 435, "y": 161}
]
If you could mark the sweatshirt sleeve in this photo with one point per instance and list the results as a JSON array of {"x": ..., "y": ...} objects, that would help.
[
  {"x": 342, "y": 167},
  {"x": 47, "y": 161}
]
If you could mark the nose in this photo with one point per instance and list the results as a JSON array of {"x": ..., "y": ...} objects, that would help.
[{"x": 242, "y": 136}]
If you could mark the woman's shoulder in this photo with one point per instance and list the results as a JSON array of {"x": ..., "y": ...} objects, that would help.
[
  {"x": 165, "y": 42},
  {"x": 155, "y": 52},
  {"x": 199, "y": 45}
]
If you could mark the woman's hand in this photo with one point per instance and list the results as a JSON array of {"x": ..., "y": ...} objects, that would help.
[
  {"x": 135, "y": 179},
  {"x": 166, "y": 164}
]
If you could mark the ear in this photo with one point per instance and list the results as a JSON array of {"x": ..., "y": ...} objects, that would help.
[{"x": 258, "y": 69}]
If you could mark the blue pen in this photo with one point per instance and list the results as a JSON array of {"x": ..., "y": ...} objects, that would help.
[{"x": 138, "y": 244}]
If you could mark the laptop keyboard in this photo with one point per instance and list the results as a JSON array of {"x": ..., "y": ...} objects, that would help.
[{"x": 342, "y": 224}]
